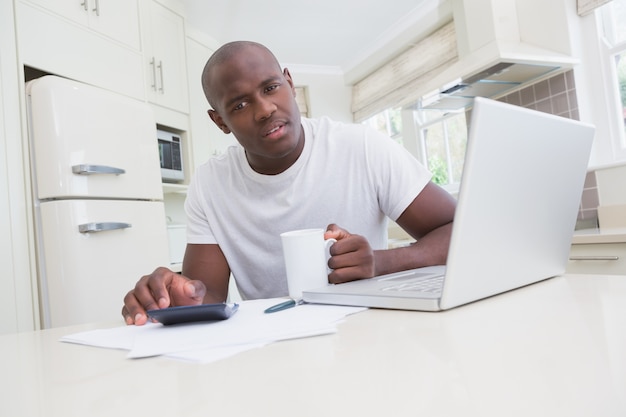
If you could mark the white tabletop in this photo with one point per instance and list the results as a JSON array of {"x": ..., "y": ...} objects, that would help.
[{"x": 556, "y": 348}]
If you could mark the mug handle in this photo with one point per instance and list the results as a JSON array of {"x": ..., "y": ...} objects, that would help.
[{"x": 327, "y": 244}]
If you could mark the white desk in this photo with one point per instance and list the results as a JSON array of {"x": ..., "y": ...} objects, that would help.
[{"x": 557, "y": 348}]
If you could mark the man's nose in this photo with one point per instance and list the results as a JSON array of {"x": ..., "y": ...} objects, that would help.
[{"x": 264, "y": 109}]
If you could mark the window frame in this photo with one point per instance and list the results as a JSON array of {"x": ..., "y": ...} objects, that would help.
[
  {"x": 420, "y": 128},
  {"x": 608, "y": 52}
]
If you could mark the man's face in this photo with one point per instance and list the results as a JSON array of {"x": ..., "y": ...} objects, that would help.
[{"x": 255, "y": 101}]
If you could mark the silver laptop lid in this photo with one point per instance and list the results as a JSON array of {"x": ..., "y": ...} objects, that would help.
[{"x": 520, "y": 192}]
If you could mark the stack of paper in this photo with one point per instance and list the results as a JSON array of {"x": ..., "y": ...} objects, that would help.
[{"x": 249, "y": 328}]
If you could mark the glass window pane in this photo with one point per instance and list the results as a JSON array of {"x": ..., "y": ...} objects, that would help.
[
  {"x": 457, "y": 139},
  {"x": 613, "y": 18},
  {"x": 388, "y": 122},
  {"x": 436, "y": 155},
  {"x": 395, "y": 121}
]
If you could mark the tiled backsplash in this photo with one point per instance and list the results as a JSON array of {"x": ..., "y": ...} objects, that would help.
[
  {"x": 588, "y": 212},
  {"x": 557, "y": 95}
]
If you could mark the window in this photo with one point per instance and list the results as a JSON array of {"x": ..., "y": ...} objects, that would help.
[
  {"x": 388, "y": 122},
  {"x": 442, "y": 138},
  {"x": 436, "y": 138},
  {"x": 302, "y": 100},
  {"x": 614, "y": 36}
]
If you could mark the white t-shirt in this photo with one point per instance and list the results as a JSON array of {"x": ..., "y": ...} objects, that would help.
[{"x": 348, "y": 174}]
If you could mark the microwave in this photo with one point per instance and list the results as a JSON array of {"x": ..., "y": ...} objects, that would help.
[{"x": 171, "y": 156}]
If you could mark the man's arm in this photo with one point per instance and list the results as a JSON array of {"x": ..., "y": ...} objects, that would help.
[
  {"x": 428, "y": 219},
  {"x": 208, "y": 264},
  {"x": 204, "y": 280}
]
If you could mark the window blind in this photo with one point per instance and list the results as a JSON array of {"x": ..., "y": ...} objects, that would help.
[
  {"x": 302, "y": 101},
  {"x": 396, "y": 83}
]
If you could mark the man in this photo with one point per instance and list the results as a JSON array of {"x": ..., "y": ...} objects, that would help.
[{"x": 291, "y": 173}]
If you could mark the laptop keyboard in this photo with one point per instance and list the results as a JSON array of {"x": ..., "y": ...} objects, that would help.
[{"x": 430, "y": 285}]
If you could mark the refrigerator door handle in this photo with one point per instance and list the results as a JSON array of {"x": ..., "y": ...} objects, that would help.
[
  {"x": 84, "y": 169},
  {"x": 102, "y": 227}
]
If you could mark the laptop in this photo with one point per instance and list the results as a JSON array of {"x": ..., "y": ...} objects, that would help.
[{"x": 517, "y": 208}]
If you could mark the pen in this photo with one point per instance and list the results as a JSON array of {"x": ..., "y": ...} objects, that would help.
[{"x": 283, "y": 306}]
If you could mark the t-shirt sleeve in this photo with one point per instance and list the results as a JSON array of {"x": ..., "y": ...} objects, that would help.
[{"x": 397, "y": 175}]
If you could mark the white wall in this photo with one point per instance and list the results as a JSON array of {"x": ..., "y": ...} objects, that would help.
[
  {"x": 328, "y": 93},
  {"x": 18, "y": 311}
]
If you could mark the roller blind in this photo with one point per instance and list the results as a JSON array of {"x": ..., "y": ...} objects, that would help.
[
  {"x": 302, "y": 101},
  {"x": 396, "y": 83}
]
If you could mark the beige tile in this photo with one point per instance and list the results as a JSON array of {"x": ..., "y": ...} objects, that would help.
[
  {"x": 542, "y": 90},
  {"x": 528, "y": 96},
  {"x": 560, "y": 104},
  {"x": 557, "y": 84},
  {"x": 590, "y": 180}
]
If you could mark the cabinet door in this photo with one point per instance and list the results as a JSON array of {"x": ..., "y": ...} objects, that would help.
[
  {"x": 206, "y": 138},
  {"x": 117, "y": 19},
  {"x": 75, "y": 10},
  {"x": 77, "y": 52},
  {"x": 164, "y": 56},
  {"x": 85, "y": 275},
  {"x": 598, "y": 259}
]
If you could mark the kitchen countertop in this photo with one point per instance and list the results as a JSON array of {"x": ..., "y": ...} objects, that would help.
[
  {"x": 554, "y": 348},
  {"x": 599, "y": 235}
]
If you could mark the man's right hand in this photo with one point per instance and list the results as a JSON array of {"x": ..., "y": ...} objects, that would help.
[{"x": 162, "y": 288}]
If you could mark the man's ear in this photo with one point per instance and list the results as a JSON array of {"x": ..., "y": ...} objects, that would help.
[
  {"x": 217, "y": 119},
  {"x": 287, "y": 76}
]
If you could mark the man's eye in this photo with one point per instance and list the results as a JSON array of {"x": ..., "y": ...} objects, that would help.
[
  {"x": 271, "y": 88},
  {"x": 239, "y": 106}
]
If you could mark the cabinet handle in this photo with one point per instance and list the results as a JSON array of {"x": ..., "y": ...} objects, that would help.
[
  {"x": 594, "y": 258},
  {"x": 153, "y": 65},
  {"x": 85, "y": 169},
  {"x": 85, "y": 5},
  {"x": 97, "y": 8},
  {"x": 162, "y": 89},
  {"x": 102, "y": 227}
]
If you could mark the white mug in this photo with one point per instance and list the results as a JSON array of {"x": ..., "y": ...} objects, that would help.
[{"x": 306, "y": 260}]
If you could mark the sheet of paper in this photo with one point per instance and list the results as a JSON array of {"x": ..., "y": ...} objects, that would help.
[
  {"x": 247, "y": 329},
  {"x": 212, "y": 354}
]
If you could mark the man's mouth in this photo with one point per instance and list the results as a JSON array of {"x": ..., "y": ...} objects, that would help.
[{"x": 275, "y": 132}]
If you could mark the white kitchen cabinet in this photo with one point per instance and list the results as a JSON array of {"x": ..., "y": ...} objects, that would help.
[
  {"x": 598, "y": 258},
  {"x": 116, "y": 19},
  {"x": 57, "y": 44},
  {"x": 206, "y": 138},
  {"x": 165, "y": 70}
]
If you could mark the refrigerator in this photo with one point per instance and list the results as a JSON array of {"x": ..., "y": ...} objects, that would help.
[{"x": 99, "y": 216}]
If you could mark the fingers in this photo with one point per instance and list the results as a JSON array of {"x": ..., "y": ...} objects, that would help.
[
  {"x": 132, "y": 311},
  {"x": 153, "y": 292},
  {"x": 194, "y": 290},
  {"x": 352, "y": 258},
  {"x": 335, "y": 232}
]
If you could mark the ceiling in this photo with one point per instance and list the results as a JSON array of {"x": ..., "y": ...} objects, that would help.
[{"x": 349, "y": 36}]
